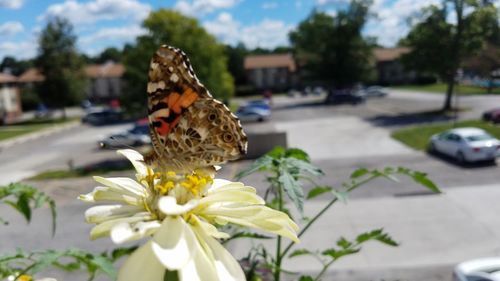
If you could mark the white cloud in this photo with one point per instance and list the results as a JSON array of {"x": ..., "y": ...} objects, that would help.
[
  {"x": 123, "y": 34},
  {"x": 202, "y": 7},
  {"x": 391, "y": 24},
  {"x": 96, "y": 10},
  {"x": 11, "y": 4},
  {"x": 10, "y": 28},
  {"x": 327, "y": 2},
  {"x": 269, "y": 5},
  {"x": 19, "y": 50},
  {"x": 265, "y": 34}
]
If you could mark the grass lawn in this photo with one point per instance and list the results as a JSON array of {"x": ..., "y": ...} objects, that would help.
[
  {"x": 441, "y": 88},
  {"x": 418, "y": 137},
  {"x": 10, "y": 131}
]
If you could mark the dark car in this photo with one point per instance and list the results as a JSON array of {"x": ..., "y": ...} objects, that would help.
[
  {"x": 492, "y": 115},
  {"x": 103, "y": 117},
  {"x": 344, "y": 97}
]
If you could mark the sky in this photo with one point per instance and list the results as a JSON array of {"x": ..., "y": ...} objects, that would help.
[{"x": 257, "y": 23}]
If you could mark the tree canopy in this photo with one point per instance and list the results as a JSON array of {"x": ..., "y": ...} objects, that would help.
[
  {"x": 169, "y": 27},
  {"x": 331, "y": 49},
  {"x": 440, "y": 46},
  {"x": 61, "y": 65}
]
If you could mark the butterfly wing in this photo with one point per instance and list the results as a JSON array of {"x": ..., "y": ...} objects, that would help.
[{"x": 188, "y": 127}]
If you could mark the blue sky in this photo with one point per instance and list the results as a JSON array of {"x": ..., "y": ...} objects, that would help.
[{"x": 257, "y": 23}]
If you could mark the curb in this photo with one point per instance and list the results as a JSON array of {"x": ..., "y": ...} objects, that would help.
[{"x": 38, "y": 134}]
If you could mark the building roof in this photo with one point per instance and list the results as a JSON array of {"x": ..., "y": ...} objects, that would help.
[
  {"x": 270, "y": 61},
  {"x": 31, "y": 75},
  {"x": 107, "y": 70},
  {"x": 389, "y": 54},
  {"x": 7, "y": 78}
]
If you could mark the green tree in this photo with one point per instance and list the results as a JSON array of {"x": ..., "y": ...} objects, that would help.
[
  {"x": 332, "y": 49},
  {"x": 109, "y": 54},
  {"x": 235, "y": 63},
  {"x": 439, "y": 47},
  {"x": 61, "y": 65},
  {"x": 16, "y": 67},
  {"x": 169, "y": 27}
]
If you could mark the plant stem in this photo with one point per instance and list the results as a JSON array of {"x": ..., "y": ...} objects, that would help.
[
  {"x": 320, "y": 213},
  {"x": 279, "y": 256},
  {"x": 325, "y": 267}
]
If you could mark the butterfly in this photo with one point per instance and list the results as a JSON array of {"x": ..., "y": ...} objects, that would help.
[{"x": 189, "y": 128}]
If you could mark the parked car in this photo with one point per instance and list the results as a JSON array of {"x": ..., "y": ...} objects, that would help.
[
  {"x": 136, "y": 136},
  {"x": 492, "y": 115},
  {"x": 485, "y": 269},
  {"x": 258, "y": 110},
  {"x": 466, "y": 145},
  {"x": 374, "y": 92},
  {"x": 103, "y": 116},
  {"x": 344, "y": 97}
]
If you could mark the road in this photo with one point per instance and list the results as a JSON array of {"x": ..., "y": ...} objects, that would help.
[{"x": 338, "y": 138}]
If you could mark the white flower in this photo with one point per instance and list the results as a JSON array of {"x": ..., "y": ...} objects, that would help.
[{"x": 180, "y": 212}]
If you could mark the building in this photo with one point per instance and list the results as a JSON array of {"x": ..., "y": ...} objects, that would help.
[
  {"x": 10, "y": 100},
  {"x": 271, "y": 72},
  {"x": 390, "y": 70},
  {"x": 105, "y": 81}
]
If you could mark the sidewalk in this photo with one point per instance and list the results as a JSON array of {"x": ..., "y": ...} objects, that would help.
[{"x": 435, "y": 232}]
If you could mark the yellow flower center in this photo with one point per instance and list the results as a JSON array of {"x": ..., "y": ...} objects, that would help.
[
  {"x": 25, "y": 278},
  {"x": 163, "y": 183}
]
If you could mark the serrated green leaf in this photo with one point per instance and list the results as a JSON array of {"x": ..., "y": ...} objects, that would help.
[
  {"x": 303, "y": 167},
  {"x": 318, "y": 190},
  {"x": 263, "y": 163},
  {"x": 425, "y": 181},
  {"x": 341, "y": 195},
  {"x": 299, "y": 252},
  {"x": 23, "y": 206},
  {"x": 343, "y": 243},
  {"x": 292, "y": 188},
  {"x": 104, "y": 264},
  {"x": 359, "y": 173}
]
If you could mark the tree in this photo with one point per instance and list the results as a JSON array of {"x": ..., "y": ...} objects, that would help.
[
  {"x": 170, "y": 27},
  {"x": 332, "y": 49},
  {"x": 109, "y": 54},
  {"x": 15, "y": 67},
  {"x": 61, "y": 65},
  {"x": 439, "y": 46},
  {"x": 235, "y": 64}
]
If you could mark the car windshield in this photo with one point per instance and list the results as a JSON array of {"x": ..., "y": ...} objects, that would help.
[{"x": 481, "y": 137}]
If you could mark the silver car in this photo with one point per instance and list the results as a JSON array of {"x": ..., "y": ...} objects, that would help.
[
  {"x": 484, "y": 269},
  {"x": 466, "y": 144}
]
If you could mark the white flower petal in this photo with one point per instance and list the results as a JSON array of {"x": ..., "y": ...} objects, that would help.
[
  {"x": 142, "y": 265},
  {"x": 174, "y": 243},
  {"x": 256, "y": 216},
  {"x": 103, "y": 229},
  {"x": 105, "y": 193},
  {"x": 202, "y": 266},
  {"x": 232, "y": 196},
  {"x": 125, "y": 232},
  {"x": 137, "y": 160},
  {"x": 210, "y": 229},
  {"x": 227, "y": 267},
  {"x": 168, "y": 205},
  {"x": 125, "y": 185},
  {"x": 102, "y": 213}
]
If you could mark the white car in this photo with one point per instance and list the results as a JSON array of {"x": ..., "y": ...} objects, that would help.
[
  {"x": 466, "y": 145},
  {"x": 485, "y": 269}
]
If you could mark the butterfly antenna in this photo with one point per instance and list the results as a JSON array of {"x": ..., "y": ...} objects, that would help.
[{"x": 120, "y": 144}]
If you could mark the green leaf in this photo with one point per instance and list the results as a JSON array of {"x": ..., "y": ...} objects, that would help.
[
  {"x": 292, "y": 188},
  {"x": 303, "y": 167},
  {"x": 297, "y": 154},
  {"x": 341, "y": 195},
  {"x": 318, "y": 190},
  {"x": 23, "y": 206},
  {"x": 423, "y": 180},
  {"x": 263, "y": 163},
  {"x": 104, "y": 264},
  {"x": 300, "y": 252},
  {"x": 378, "y": 235},
  {"x": 171, "y": 275},
  {"x": 359, "y": 173},
  {"x": 306, "y": 278},
  {"x": 277, "y": 152},
  {"x": 120, "y": 252}
]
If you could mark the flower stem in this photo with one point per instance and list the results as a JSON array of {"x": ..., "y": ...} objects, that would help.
[
  {"x": 320, "y": 213},
  {"x": 279, "y": 256}
]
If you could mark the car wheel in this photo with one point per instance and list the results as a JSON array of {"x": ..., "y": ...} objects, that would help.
[
  {"x": 431, "y": 148},
  {"x": 260, "y": 119},
  {"x": 461, "y": 157}
]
